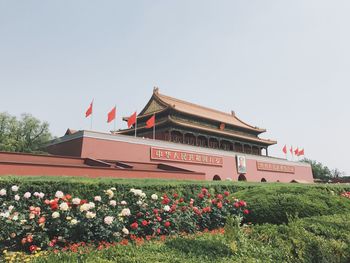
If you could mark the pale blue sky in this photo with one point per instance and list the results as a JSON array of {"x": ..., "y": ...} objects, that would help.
[{"x": 281, "y": 65}]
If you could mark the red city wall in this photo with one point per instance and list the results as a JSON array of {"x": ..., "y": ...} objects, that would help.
[{"x": 117, "y": 150}]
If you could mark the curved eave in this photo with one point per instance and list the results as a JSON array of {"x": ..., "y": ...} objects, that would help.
[
  {"x": 245, "y": 126},
  {"x": 258, "y": 140}
]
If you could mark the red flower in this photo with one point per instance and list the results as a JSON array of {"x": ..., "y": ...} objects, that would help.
[
  {"x": 242, "y": 203},
  {"x": 246, "y": 211},
  {"x": 158, "y": 231},
  {"x": 219, "y": 205},
  {"x": 159, "y": 218},
  {"x": 23, "y": 241},
  {"x": 226, "y": 193},
  {"x": 236, "y": 204},
  {"x": 68, "y": 196},
  {"x": 200, "y": 196},
  {"x": 206, "y": 209},
  {"x": 144, "y": 223},
  {"x": 214, "y": 201},
  {"x": 175, "y": 195},
  {"x": 41, "y": 220},
  {"x": 167, "y": 224},
  {"x": 155, "y": 211},
  {"x": 165, "y": 200},
  {"x": 204, "y": 191},
  {"x": 181, "y": 200},
  {"x": 134, "y": 225},
  {"x": 33, "y": 248},
  {"x": 84, "y": 201},
  {"x": 219, "y": 196},
  {"x": 29, "y": 238}
]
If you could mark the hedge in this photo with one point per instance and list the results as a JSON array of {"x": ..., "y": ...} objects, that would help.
[
  {"x": 275, "y": 204},
  {"x": 323, "y": 239},
  {"x": 87, "y": 187}
]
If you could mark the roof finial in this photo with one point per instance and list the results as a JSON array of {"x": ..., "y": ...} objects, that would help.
[
  {"x": 233, "y": 113},
  {"x": 155, "y": 89}
]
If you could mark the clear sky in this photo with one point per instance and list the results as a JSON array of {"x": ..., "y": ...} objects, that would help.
[{"x": 280, "y": 65}]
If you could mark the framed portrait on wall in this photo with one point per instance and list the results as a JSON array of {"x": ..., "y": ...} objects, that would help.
[{"x": 241, "y": 164}]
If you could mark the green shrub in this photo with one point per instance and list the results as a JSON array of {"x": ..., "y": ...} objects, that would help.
[{"x": 273, "y": 204}]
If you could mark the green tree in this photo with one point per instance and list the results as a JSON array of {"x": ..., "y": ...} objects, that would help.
[
  {"x": 319, "y": 170},
  {"x": 26, "y": 134}
]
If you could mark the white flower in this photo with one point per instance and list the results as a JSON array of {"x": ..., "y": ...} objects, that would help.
[
  {"x": 14, "y": 188},
  {"x": 90, "y": 215},
  {"x": 139, "y": 202},
  {"x": 27, "y": 195},
  {"x": 69, "y": 218},
  {"x": 41, "y": 195},
  {"x": 108, "y": 220},
  {"x": 59, "y": 194},
  {"x": 110, "y": 193},
  {"x": 74, "y": 222},
  {"x": 11, "y": 208},
  {"x": 55, "y": 215},
  {"x": 36, "y": 194},
  {"x": 2, "y": 192},
  {"x": 125, "y": 231},
  {"x": 31, "y": 216},
  {"x": 123, "y": 203},
  {"x": 113, "y": 188},
  {"x": 136, "y": 192},
  {"x": 76, "y": 201},
  {"x": 98, "y": 198},
  {"x": 154, "y": 197},
  {"x": 125, "y": 212},
  {"x": 166, "y": 208},
  {"x": 143, "y": 195},
  {"x": 84, "y": 207},
  {"x": 15, "y": 218},
  {"x": 92, "y": 205},
  {"x": 113, "y": 203},
  {"x": 64, "y": 206},
  {"x": 6, "y": 214},
  {"x": 17, "y": 197}
]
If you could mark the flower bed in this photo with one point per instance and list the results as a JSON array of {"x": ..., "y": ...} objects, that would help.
[{"x": 36, "y": 220}]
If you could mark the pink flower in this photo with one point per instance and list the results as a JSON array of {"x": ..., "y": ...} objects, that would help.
[
  {"x": 144, "y": 223},
  {"x": 167, "y": 224},
  {"x": 246, "y": 211}
]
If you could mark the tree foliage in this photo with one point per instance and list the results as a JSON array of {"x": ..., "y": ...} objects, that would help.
[
  {"x": 26, "y": 134},
  {"x": 321, "y": 171}
]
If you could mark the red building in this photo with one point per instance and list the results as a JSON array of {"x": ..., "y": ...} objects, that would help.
[
  {"x": 191, "y": 142},
  {"x": 190, "y": 137}
]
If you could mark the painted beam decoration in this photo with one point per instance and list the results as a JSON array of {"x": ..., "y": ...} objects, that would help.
[
  {"x": 185, "y": 157},
  {"x": 274, "y": 167}
]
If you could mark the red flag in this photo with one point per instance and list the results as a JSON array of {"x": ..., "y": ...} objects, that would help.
[
  {"x": 111, "y": 115},
  {"x": 291, "y": 150},
  {"x": 151, "y": 122},
  {"x": 296, "y": 152},
  {"x": 301, "y": 152},
  {"x": 89, "y": 110},
  {"x": 284, "y": 149},
  {"x": 132, "y": 120}
]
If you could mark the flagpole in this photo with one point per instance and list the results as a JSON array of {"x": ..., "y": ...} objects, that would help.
[
  {"x": 91, "y": 122},
  {"x": 114, "y": 123},
  {"x": 92, "y": 114},
  {"x": 135, "y": 124},
  {"x": 154, "y": 128}
]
